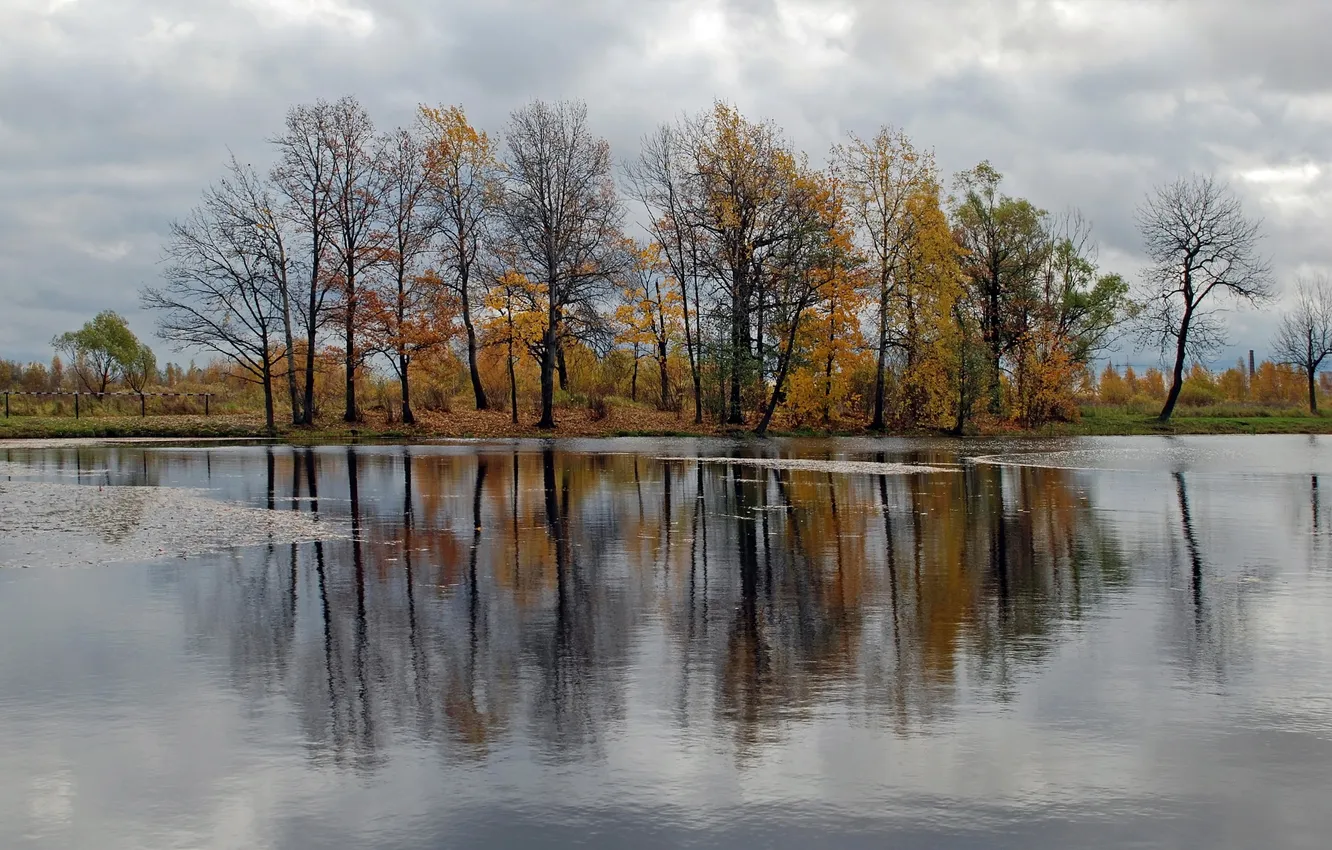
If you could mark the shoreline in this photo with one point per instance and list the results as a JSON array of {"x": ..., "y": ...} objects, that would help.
[{"x": 577, "y": 424}]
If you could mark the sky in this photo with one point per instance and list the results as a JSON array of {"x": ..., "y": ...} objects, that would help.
[{"x": 116, "y": 114}]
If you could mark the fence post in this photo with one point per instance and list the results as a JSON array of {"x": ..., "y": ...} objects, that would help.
[{"x": 76, "y": 405}]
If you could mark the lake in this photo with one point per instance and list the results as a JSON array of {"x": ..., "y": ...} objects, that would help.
[{"x": 668, "y": 643}]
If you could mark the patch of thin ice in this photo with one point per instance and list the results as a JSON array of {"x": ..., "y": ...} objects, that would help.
[
  {"x": 47, "y": 524},
  {"x": 844, "y": 467}
]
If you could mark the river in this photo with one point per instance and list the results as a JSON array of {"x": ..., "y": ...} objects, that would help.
[{"x": 668, "y": 643}]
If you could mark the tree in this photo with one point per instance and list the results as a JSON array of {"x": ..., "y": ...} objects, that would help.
[
  {"x": 303, "y": 175},
  {"x": 1304, "y": 337},
  {"x": 660, "y": 180},
  {"x": 253, "y": 202},
  {"x": 219, "y": 293},
  {"x": 648, "y": 314},
  {"x": 462, "y": 169},
  {"x": 812, "y": 263},
  {"x": 512, "y": 323},
  {"x": 560, "y": 217},
  {"x": 103, "y": 350},
  {"x": 748, "y": 209},
  {"x": 1200, "y": 243},
  {"x": 403, "y": 313},
  {"x": 926, "y": 291},
  {"x": 1006, "y": 247},
  {"x": 139, "y": 368},
  {"x": 356, "y": 194},
  {"x": 880, "y": 175}
]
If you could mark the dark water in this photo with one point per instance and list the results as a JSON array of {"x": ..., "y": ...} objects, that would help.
[{"x": 1084, "y": 643}]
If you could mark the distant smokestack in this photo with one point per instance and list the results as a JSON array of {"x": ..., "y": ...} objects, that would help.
[{"x": 1251, "y": 364}]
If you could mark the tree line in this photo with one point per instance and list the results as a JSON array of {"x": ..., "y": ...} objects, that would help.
[{"x": 745, "y": 279}]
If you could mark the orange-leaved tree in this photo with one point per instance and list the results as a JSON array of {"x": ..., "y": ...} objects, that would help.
[{"x": 463, "y": 175}]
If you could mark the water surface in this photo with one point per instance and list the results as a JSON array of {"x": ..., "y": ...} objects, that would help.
[{"x": 679, "y": 643}]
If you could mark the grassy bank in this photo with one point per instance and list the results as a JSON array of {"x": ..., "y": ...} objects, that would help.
[{"x": 628, "y": 421}]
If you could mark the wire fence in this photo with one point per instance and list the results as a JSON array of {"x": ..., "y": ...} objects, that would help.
[{"x": 78, "y": 396}]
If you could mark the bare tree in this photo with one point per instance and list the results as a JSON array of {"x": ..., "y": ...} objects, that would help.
[
  {"x": 659, "y": 180},
  {"x": 219, "y": 293},
  {"x": 561, "y": 219},
  {"x": 303, "y": 175},
  {"x": 1304, "y": 337},
  {"x": 463, "y": 173},
  {"x": 356, "y": 195},
  {"x": 1200, "y": 243},
  {"x": 256, "y": 204},
  {"x": 405, "y": 308}
]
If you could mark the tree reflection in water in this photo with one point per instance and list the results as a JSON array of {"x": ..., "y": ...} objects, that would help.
[{"x": 501, "y": 597}]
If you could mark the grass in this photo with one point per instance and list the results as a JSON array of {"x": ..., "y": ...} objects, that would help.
[
  {"x": 635, "y": 421},
  {"x": 1223, "y": 419}
]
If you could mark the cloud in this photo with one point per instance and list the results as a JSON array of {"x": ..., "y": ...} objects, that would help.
[{"x": 115, "y": 114}]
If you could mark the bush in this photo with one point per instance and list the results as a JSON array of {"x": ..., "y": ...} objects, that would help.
[{"x": 597, "y": 407}]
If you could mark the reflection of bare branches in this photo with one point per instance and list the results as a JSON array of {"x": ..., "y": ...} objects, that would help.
[{"x": 469, "y": 606}]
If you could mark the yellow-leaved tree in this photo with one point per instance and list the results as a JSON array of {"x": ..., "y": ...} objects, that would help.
[{"x": 649, "y": 316}]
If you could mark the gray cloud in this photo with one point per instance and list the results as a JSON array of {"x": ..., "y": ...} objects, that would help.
[{"x": 114, "y": 114}]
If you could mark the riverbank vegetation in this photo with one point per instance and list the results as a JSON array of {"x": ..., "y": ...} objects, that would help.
[{"x": 714, "y": 281}]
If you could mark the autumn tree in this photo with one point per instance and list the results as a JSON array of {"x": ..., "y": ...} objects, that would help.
[
  {"x": 404, "y": 312},
  {"x": 560, "y": 217},
  {"x": 748, "y": 210},
  {"x": 922, "y": 308},
  {"x": 1203, "y": 249},
  {"x": 1005, "y": 246},
  {"x": 662, "y": 180},
  {"x": 1062, "y": 323},
  {"x": 879, "y": 176},
  {"x": 462, "y": 170},
  {"x": 515, "y": 317},
  {"x": 1304, "y": 337},
  {"x": 648, "y": 314},
  {"x": 813, "y": 260},
  {"x": 303, "y": 178}
]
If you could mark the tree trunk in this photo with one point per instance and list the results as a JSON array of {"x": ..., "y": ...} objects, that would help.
[
  {"x": 408, "y": 418},
  {"x": 662, "y": 376},
  {"x": 482, "y": 403},
  {"x": 694, "y": 355},
  {"x": 739, "y": 346},
  {"x": 269, "y": 421},
  {"x": 881, "y": 368},
  {"x": 311, "y": 333},
  {"x": 996, "y": 348},
  {"x": 349, "y": 329},
  {"x": 548, "y": 350},
  {"x": 1177, "y": 379},
  {"x": 289, "y": 338},
  {"x": 782, "y": 368},
  {"x": 633, "y": 382},
  {"x": 308, "y": 405},
  {"x": 828, "y": 376},
  {"x": 513, "y": 382},
  {"x": 1313, "y": 391},
  {"x": 563, "y": 369}
]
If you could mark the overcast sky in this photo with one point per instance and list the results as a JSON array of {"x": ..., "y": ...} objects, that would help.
[{"x": 115, "y": 114}]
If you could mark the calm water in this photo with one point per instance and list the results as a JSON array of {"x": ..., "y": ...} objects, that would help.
[{"x": 1082, "y": 643}]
